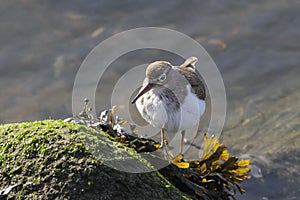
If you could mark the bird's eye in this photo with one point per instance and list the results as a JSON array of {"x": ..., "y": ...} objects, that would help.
[{"x": 162, "y": 77}]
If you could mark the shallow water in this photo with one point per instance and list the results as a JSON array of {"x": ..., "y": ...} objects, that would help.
[{"x": 254, "y": 44}]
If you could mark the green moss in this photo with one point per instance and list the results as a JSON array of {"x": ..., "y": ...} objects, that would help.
[{"x": 54, "y": 159}]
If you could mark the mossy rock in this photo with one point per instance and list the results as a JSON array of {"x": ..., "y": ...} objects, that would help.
[{"x": 54, "y": 160}]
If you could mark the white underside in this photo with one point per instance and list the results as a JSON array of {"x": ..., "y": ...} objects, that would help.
[
  {"x": 154, "y": 113},
  {"x": 186, "y": 117}
]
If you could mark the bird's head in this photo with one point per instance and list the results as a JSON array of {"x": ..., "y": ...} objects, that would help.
[{"x": 157, "y": 73}]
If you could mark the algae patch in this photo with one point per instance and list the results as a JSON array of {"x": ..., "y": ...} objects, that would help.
[{"x": 50, "y": 159}]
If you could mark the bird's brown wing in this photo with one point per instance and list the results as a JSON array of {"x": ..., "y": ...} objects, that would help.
[{"x": 188, "y": 70}]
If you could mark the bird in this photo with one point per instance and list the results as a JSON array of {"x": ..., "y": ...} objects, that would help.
[{"x": 172, "y": 98}]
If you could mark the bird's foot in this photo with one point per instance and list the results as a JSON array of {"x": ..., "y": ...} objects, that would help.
[
  {"x": 161, "y": 145},
  {"x": 165, "y": 149}
]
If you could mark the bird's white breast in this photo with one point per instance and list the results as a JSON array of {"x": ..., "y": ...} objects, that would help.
[{"x": 154, "y": 111}]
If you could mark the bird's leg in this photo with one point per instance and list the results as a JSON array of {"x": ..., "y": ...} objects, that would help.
[
  {"x": 182, "y": 141},
  {"x": 162, "y": 137},
  {"x": 164, "y": 144}
]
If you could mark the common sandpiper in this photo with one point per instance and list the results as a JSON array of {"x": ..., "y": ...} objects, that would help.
[{"x": 172, "y": 98}]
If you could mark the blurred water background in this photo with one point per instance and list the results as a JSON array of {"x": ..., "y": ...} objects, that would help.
[{"x": 255, "y": 45}]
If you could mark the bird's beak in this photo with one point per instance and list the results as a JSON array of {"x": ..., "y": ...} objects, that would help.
[{"x": 142, "y": 91}]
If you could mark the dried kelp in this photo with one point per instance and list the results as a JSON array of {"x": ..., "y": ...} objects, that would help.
[{"x": 215, "y": 176}]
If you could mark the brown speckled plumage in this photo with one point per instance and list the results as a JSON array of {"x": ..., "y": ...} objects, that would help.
[{"x": 188, "y": 70}]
